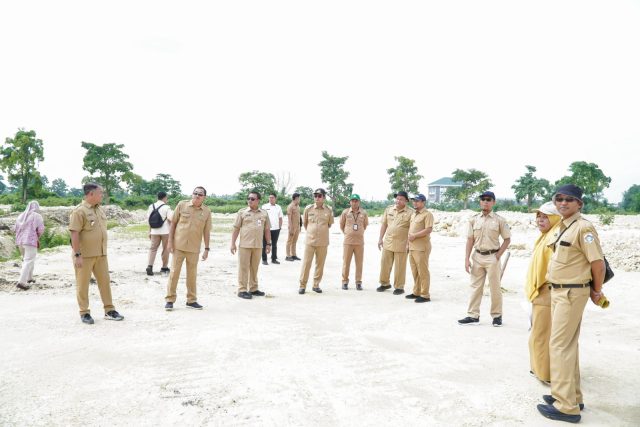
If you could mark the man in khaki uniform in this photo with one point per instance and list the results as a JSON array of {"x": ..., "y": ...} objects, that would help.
[
  {"x": 483, "y": 238},
  {"x": 317, "y": 218},
  {"x": 419, "y": 246},
  {"x": 576, "y": 272},
  {"x": 293, "y": 215},
  {"x": 353, "y": 222},
  {"x": 394, "y": 233},
  {"x": 252, "y": 225},
  {"x": 88, "y": 228},
  {"x": 190, "y": 225}
]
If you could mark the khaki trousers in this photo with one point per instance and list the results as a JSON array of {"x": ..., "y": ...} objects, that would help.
[
  {"x": 100, "y": 268},
  {"x": 419, "y": 262},
  {"x": 192, "y": 271},
  {"x": 347, "y": 253},
  {"x": 320, "y": 252},
  {"x": 540, "y": 334},
  {"x": 397, "y": 260},
  {"x": 485, "y": 267},
  {"x": 155, "y": 243},
  {"x": 567, "y": 306},
  {"x": 292, "y": 239},
  {"x": 248, "y": 262}
]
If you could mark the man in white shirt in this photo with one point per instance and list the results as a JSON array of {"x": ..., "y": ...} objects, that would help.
[
  {"x": 159, "y": 217},
  {"x": 275, "y": 218}
]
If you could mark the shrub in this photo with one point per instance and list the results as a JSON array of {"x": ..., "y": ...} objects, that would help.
[{"x": 51, "y": 239}]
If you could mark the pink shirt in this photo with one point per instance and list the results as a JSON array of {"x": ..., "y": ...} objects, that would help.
[{"x": 28, "y": 232}]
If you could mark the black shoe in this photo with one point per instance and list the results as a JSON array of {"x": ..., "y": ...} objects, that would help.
[
  {"x": 289, "y": 258},
  {"x": 245, "y": 295},
  {"x": 113, "y": 315},
  {"x": 468, "y": 321},
  {"x": 265, "y": 263},
  {"x": 383, "y": 288},
  {"x": 301, "y": 291},
  {"x": 317, "y": 290},
  {"x": 23, "y": 287},
  {"x": 552, "y": 413},
  {"x": 275, "y": 261},
  {"x": 194, "y": 305},
  {"x": 295, "y": 258},
  {"x": 420, "y": 299},
  {"x": 345, "y": 286},
  {"x": 257, "y": 293},
  {"x": 150, "y": 270},
  {"x": 86, "y": 318},
  {"x": 398, "y": 291},
  {"x": 497, "y": 321},
  {"x": 411, "y": 296},
  {"x": 31, "y": 281},
  {"x": 550, "y": 399},
  {"x": 168, "y": 306},
  {"x": 165, "y": 270},
  {"x": 358, "y": 286}
]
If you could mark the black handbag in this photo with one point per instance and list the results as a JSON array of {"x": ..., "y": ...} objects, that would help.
[{"x": 608, "y": 273}]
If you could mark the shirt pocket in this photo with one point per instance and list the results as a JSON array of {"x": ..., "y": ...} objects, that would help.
[
  {"x": 185, "y": 217},
  {"x": 563, "y": 250},
  {"x": 90, "y": 223}
]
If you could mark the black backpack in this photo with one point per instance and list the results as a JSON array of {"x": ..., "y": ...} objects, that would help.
[{"x": 155, "y": 219}]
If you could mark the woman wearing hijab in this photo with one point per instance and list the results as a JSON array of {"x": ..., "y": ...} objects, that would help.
[
  {"x": 29, "y": 228},
  {"x": 537, "y": 291}
]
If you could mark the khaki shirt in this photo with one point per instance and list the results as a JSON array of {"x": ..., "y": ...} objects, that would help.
[
  {"x": 252, "y": 225},
  {"x": 192, "y": 224},
  {"x": 486, "y": 231},
  {"x": 91, "y": 223},
  {"x": 293, "y": 211},
  {"x": 353, "y": 225},
  {"x": 317, "y": 222},
  {"x": 397, "y": 222},
  {"x": 420, "y": 221},
  {"x": 578, "y": 247}
]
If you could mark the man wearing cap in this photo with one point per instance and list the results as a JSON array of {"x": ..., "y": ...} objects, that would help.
[
  {"x": 317, "y": 218},
  {"x": 353, "y": 222},
  {"x": 275, "y": 218},
  {"x": 576, "y": 273},
  {"x": 419, "y": 246},
  {"x": 484, "y": 249},
  {"x": 252, "y": 225},
  {"x": 293, "y": 215},
  {"x": 394, "y": 232}
]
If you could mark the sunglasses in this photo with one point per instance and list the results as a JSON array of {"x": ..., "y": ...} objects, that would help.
[
  {"x": 565, "y": 199},
  {"x": 198, "y": 194},
  {"x": 317, "y": 196},
  {"x": 252, "y": 199},
  {"x": 486, "y": 199}
]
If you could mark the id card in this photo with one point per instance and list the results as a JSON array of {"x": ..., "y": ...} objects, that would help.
[
  {"x": 355, "y": 227},
  {"x": 259, "y": 222}
]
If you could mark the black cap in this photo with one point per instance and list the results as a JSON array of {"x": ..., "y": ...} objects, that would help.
[
  {"x": 403, "y": 194},
  {"x": 487, "y": 194},
  {"x": 569, "y": 190},
  {"x": 320, "y": 191}
]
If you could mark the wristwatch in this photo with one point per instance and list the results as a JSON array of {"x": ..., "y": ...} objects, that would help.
[
  {"x": 77, "y": 254},
  {"x": 206, "y": 249}
]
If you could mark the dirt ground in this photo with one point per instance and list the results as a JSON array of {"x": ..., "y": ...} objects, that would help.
[{"x": 339, "y": 358}]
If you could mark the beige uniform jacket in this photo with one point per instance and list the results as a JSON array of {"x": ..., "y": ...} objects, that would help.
[
  {"x": 486, "y": 231},
  {"x": 353, "y": 225},
  {"x": 317, "y": 222},
  {"x": 293, "y": 212},
  {"x": 192, "y": 224},
  {"x": 252, "y": 225},
  {"x": 397, "y": 222},
  {"x": 577, "y": 248},
  {"x": 91, "y": 223},
  {"x": 420, "y": 221}
]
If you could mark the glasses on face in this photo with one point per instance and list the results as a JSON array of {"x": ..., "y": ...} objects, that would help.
[
  {"x": 567, "y": 199},
  {"x": 317, "y": 196},
  {"x": 486, "y": 199},
  {"x": 251, "y": 199},
  {"x": 198, "y": 194}
]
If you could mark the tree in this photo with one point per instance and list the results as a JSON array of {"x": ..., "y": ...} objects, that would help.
[
  {"x": 333, "y": 174},
  {"x": 165, "y": 182},
  {"x": 589, "y": 177},
  {"x": 3, "y": 186},
  {"x": 20, "y": 157},
  {"x": 283, "y": 183},
  {"x": 528, "y": 187},
  {"x": 306, "y": 195},
  {"x": 262, "y": 182},
  {"x": 107, "y": 164},
  {"x": 631, "y": 199},
  {"x": 136, "y": 185},
  {"x": 473, "y": 183},
  {"x": 404, "y": 177},
  {"x": 59, "y": 187}
]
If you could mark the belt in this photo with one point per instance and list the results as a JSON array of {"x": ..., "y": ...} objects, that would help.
[
  {"x": 493, "y": 251},
  {"x": 572, "y": 285}
]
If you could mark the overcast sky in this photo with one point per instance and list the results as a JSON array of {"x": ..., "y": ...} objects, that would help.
[{"x": 207, "y": 90}]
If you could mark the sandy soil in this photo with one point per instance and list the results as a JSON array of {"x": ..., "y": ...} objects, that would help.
[{"x": 339, "y": 358}]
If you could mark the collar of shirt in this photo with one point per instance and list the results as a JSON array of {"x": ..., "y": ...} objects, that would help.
[
  {"x": 194, "y": 206},
  {"x": 88, "y": 205},
  {"x": 351, "y": 211},
  {"x": 572, "y": 218},
  {"x": 491, "y": 214}
]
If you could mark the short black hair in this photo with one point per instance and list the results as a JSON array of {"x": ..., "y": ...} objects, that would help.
[
  {"x": 202, "y": 188},
  {"x": 256, "y": 193},
  {"x": 295, "y": 196},
  {"x": 89, "y": 187},
  {"x": 161, "y": 195},
  {"x": 273, "y": 194}
]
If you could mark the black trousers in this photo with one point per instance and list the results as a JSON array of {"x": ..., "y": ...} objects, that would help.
[{"x": 274, "y": 246}]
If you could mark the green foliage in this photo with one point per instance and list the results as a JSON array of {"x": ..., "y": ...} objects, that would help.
[
  {"x": 162, "y": 182},
  {"x": 51, "y": 239},
  {"x": 19, "y": 158},
  {"x": 59, "y": 187},
  {"x": 528, "y": 187},
  {"x": 631, "y": 199},
  {"x": 404, "y": 177},
  {"x": 333, "y": 174},
  {"x": 262, "y": 182},
  {"x": 590, "y": 178},
  {"x": 112, "y": 224},
  {"x": 473, "y": 183},
  {"x": 607, "y": 218},
  {"x": 107, "y": 164},
  {"x": 510, "y": 205},
  {"x": 306, "y": 195}
]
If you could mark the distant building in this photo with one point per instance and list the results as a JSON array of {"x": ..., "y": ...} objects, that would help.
[{"x": 437, "y": 188}]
